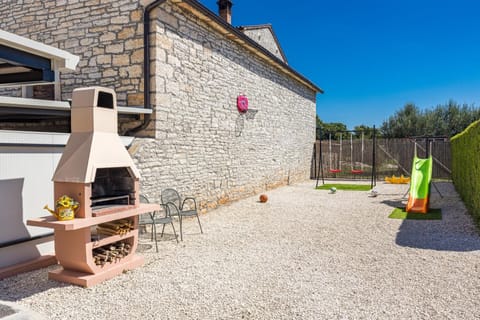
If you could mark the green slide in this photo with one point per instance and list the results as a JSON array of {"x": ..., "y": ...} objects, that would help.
[{"x": 419, "y": 194}]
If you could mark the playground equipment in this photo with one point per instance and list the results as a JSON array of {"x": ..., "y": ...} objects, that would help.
[
  {"x": 353, "y": 170},
  {"x": 419, "y": 194},
  {"x": 339, "y": 167},
  {"x": 335, "y": 160},
  {"x": 397, "y": 180}
]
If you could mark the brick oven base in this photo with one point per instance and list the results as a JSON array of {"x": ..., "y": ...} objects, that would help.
[{"x": 88, "y": 280}]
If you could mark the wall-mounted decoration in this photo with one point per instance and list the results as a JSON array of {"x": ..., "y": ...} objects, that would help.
[{"x": 242, "y": 103}]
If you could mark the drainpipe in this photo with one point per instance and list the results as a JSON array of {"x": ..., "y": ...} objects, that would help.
[{"x": 146, "y": 66}]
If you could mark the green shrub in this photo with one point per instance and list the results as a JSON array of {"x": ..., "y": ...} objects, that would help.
[{"x": 466, "y": 168}]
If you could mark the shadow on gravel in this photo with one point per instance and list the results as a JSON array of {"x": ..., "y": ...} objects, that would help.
[
  {"x": 395, "y": 203},
  {"x": 436, "y": 235},
  {"x": 455, "y": 232},
  {"x": 28, "y": 284}
]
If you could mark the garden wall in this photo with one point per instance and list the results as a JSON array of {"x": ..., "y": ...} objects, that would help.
[{"x": 466, "y": 168}]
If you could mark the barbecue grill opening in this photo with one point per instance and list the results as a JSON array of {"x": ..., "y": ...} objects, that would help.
[
  {"x": 105, "y": 100},
  {"x": 113, "y": 186}
]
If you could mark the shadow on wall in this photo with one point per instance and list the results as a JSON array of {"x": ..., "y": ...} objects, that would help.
[
  {"x": 239, "y": 124},
  {"x": 12, "y": 226},
  {"x": 455, "y": 232},
  {"x": 11, "y": 210}
]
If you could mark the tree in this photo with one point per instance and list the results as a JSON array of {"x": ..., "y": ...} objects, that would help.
[
  {"x": 406, "y": 122},
  {"x": 367, "y": 131},
  {"x": 443, "y": 120},
  {"x": 328, "y": 128}
]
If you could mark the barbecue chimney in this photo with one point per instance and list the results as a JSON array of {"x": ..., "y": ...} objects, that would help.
[{"x": 95, "y": 167}]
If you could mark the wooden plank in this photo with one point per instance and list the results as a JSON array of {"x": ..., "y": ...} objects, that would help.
[{"x": 107, "y": 240}]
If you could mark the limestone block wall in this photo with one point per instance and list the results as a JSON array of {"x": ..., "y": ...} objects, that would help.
[
  {"x": 203, "y": 146},
  {"x": 107, "y": 35},
  {"x": 198, "y": 142},
  {"x": 263, "y": 35}
]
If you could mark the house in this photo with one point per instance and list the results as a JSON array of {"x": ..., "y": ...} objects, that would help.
[
  {"x": 27, "y": 158},
  {"x": 179, "y": 96}
]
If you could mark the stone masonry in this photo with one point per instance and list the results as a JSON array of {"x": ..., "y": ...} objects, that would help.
[
  {"x": 203, "y": 146},
  {"x": 197, "y": 141},
  {"x": 106, "y": 34},
  {"x": 264, "y": 36}
]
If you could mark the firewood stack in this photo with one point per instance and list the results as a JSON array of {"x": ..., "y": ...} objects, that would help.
[
  {"x": 117, "y": 227},
  {"x": 111, "y": 253}
]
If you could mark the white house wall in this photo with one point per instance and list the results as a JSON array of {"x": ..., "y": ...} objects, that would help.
[{"x": 27, "y": 163}]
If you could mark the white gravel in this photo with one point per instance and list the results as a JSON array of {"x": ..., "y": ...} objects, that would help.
[{"x": 305, "y": 254}]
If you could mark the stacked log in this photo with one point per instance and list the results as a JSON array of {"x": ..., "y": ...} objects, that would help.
[
  {"x": 117, "y": 227},
  {"x": 111, "y": 253}
]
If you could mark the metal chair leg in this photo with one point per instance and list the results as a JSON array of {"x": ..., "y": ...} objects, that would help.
[
  {"x": 181, "y": 231},
  {"x": 163, "y": 229},
  {"x": 201, "y": 230},
  {"x": 154, "y": 231},
  {"x": 174, "y": 232}
]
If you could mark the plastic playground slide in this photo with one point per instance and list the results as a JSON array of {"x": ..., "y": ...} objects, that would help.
[{"x": 420, "y": 185}]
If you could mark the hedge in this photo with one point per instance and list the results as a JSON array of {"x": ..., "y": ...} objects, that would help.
[{"x": 466, "y": 168}]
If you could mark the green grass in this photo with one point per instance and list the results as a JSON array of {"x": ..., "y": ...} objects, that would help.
[
  {"x": 400, "y": 213},
  {"x": 349, "y": 187}
]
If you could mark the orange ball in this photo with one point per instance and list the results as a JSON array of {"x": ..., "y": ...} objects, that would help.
[{"x": 263, "y": 198}]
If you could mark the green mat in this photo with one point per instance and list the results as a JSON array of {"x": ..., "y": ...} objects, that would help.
[
  {"x": 350, "y": 187},
  {"x": 432, "y": 214}
]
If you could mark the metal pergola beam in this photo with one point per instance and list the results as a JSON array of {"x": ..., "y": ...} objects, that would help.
[{"x": 33, "y": 67}]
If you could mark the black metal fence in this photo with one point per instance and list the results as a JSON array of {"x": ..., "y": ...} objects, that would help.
[{"x": 353, "y": 159}]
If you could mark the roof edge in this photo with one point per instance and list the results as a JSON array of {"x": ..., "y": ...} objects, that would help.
[
  {"x": 269, "y": 27},
  {"x": 248, "y": 42}
]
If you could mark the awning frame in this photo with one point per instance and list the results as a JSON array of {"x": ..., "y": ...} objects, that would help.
[{"x": 24, "y": 61}]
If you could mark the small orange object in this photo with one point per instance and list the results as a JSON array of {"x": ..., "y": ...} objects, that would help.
[{"x": 263, "y": 198}]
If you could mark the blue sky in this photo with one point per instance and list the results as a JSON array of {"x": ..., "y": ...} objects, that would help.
[{"x": 373, "y": 56}]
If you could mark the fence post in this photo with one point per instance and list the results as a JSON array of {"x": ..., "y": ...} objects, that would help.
[{"x": 374, "y": 173}]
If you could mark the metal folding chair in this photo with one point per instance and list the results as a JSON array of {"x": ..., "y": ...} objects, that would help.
[
  {"x": 154, "y": 218},
  {"x": 177, "y": 206}
]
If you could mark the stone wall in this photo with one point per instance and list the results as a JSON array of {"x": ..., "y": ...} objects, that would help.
[
  {"x": 203, "y": 146},
  {"x": 107, "y": 35},
  {"x": 264, "y": 36},
  {"x": 200, "y": 144}
]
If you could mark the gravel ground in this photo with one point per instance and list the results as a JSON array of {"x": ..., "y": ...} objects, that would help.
[{"x": 305, "y": 254}]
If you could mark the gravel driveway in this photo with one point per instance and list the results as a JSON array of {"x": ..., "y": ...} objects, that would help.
[{"x": 305, "y": 254}]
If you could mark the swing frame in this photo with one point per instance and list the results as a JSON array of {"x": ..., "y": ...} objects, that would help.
[
  {"x": 334, "y": 171},
  {"x": 355, "y": 172}
]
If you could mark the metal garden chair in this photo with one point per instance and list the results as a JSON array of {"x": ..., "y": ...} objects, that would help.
[
  {"x": 180, "y": 207},
  {"x": 154, "y": 218}
]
